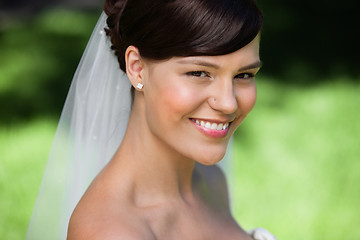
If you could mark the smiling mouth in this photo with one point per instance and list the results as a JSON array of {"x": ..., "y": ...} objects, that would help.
[{"x": 212, "y": 125}]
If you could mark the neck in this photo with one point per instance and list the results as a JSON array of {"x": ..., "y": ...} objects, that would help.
[{"x": 156, "y": 171}]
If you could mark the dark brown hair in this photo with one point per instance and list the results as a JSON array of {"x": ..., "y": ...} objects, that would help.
[{"x": 162, "y": 29}]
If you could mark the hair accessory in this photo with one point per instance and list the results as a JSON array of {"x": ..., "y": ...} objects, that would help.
[{"x": 140, "y": 86}]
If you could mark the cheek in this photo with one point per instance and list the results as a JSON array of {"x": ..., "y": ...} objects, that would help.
[
  {"x": 246, "y": 99},
  {"x": 178, "y": 99}
]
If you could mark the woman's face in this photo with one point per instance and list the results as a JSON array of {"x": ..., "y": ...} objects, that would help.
[{"x": 195, "y": 104}]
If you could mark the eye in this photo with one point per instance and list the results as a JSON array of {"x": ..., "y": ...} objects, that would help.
[
  {"x": 245, "y": 75},
  {"x": 198, "y": 74}
]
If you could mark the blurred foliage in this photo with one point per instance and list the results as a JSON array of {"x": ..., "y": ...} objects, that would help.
[
  {"x": 303, "y": 42},
  {"x": 310, "y": 41},
  {"x": 297, "y": 161},
  {"x": 24, "y": 149},
  {"x": 37, "y": 61}
]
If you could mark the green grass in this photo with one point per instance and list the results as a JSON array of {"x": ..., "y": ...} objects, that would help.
[
  {"x": 296, "y": 164},
  {"x": 23, "y": 153}
]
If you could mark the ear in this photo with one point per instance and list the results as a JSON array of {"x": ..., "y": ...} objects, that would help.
[{"x": 134, "y": 66}]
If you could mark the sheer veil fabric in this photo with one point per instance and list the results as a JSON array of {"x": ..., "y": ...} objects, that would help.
[{"x": 91, "y": 128}]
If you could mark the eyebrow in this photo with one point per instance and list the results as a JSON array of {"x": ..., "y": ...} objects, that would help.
[
  {"x": 254, "y": 65},
  {"x": 199, "y": 62}
]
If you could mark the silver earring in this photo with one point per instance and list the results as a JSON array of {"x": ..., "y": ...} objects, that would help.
[
  {"x": 139, "y": 86},
  {"x": 214, "y": 99}
]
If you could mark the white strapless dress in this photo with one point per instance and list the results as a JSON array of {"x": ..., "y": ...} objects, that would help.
[{"x": 261, "y": 234}]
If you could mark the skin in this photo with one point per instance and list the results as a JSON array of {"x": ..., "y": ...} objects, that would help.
[{"x": 162, "y": 182}]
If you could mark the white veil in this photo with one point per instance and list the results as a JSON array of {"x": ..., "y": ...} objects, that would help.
[{"x": 91, "y": 128}]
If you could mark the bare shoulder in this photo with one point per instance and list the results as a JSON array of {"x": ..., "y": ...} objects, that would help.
[
  {"x": 107, "y": 228},
  {"x": 101, "y": 214},
  {"x": 214, "y": 181}
]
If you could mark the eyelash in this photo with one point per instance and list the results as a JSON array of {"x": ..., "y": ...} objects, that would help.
[
  {"x": 249, "y": 75},
  {"x": 200, "y": 74}
]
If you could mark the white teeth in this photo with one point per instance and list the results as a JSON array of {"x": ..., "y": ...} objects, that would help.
[{"x": 213, "y": 126}]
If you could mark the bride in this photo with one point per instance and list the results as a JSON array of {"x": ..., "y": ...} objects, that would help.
[{"x": 191, "y": 66}]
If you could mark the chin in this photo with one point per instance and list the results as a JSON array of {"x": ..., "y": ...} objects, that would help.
[
  {"x": 210, "y": 158},
  {"x": 210, "y": 153}
]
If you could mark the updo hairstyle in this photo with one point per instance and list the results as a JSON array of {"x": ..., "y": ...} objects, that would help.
[{"x": 162, "y": 29}]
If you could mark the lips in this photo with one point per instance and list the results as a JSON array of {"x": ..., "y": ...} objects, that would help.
[
  {"x": 219, "y": 126},
  {"x": 212, "y": 128}
]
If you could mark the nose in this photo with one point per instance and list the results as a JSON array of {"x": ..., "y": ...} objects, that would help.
[{"x": 223, "y": 98}]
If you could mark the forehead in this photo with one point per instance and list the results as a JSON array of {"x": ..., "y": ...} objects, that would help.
[
  {"x": 247, "y": 55},
  {"x": 249, "y": 52},
  {"x": 244, "y": 56}
]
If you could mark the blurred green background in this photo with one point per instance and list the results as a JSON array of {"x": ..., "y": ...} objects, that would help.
[{"x": 296, "y": 156}]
